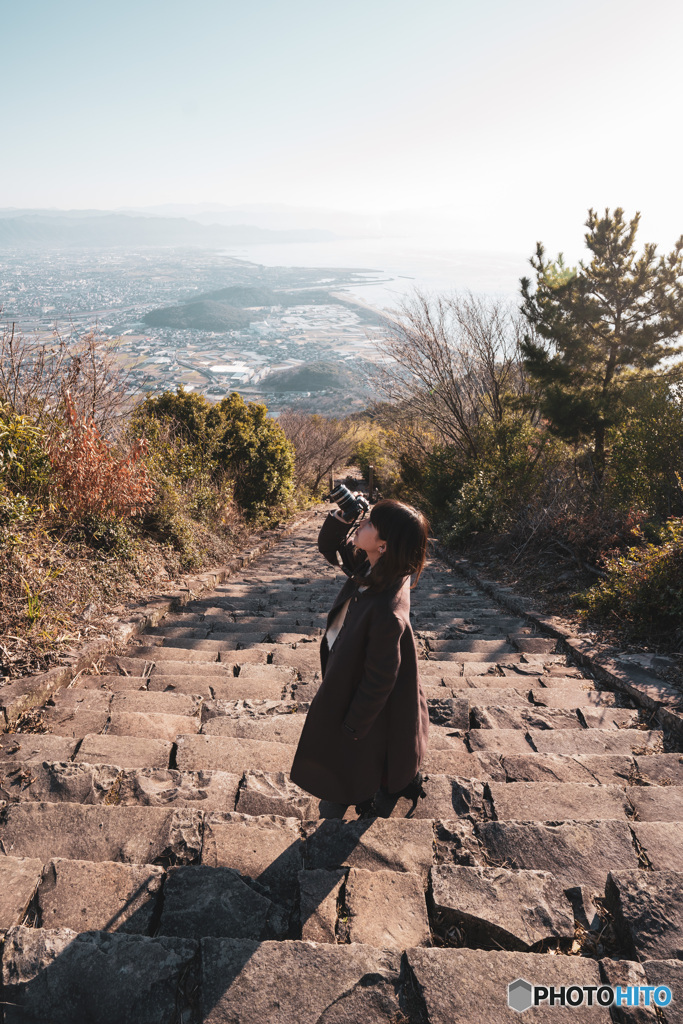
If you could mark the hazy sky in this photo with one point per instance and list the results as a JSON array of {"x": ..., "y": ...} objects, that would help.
[{"x": 516, "y": 117}]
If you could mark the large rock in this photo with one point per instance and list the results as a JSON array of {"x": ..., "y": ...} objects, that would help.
[
  {"x": 576, "y": 852},
  {"x": 137, "y": 835},
  {"x": 319, "y": 892},
  {"x": 513, "y": 909},
  {"x": 648, "y": 910},
  {"x": 298, "y": 983},
  {"x": 529, "y": 717},
  {"x": 373, "y": 843},
  {"x": 386, "y": 909},
  {"x": 19, "y": 877},
  {"x": 627, "y": 973},
  {"x": 463, "y": 986},
  {"x": 103, "y": 896},
  {"x": 605, "y": 769},
  {"x": 200, "y": 901},
  {"x": 59, "y": 977},
  {"x": 556, "y": 801}
]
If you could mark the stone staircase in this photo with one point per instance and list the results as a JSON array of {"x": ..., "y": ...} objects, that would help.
[{"x": 157, "y": 864}]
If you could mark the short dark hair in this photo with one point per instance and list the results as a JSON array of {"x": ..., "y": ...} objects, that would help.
[{"x": 406, "y": 532}]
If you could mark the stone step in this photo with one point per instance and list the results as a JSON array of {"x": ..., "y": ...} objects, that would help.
[
  {"x": 99, "y": 896},
  {"x": 19, "y": 880},
  {"x": 69, "y": 782},
  {"x": 558, "y": 801},
  {"x": 496, "y": 906},
  {"x": 564, "y": 741},
  {"x": 535, "y": 717},
  {"x": 124, "y": 751},
  {"x": 130, "y": 834},
  {"x": 131, "y": 666},
  {"x": 229, "y": 754}
]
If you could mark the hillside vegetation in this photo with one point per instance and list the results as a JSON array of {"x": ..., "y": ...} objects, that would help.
[{"x": 552, "y": 433}]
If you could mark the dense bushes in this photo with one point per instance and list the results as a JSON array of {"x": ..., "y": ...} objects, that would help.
[{"x": 643, "y": 587}]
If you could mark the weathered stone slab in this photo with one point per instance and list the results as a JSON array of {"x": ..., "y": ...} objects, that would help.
[
  {"x": 153, "y": 726},
  {"x": 499, "y": 741},
  {"x": 187, "y": 632},
  {"x": 60, "y": 976},
  {"x": 501, "y": 696},
  {"x": 56, "y": 781},
  {"x": 660, "y": 842},
  {"x": 102, "y": 896},
  {"x": 610, "y": 718},
  {"x": 318, "y": 895},
  {"x": 557, "y": 801},
  {"x": 225, "y": 753},
  {"x": 267, "y": 849},
  {"x": 200, "y": 901},
  {"x": 514, "y": 909},
  {"x": 444, "y": 797},
  {"x": 386, "y": 909},
  {"x": 297, "y": 983},
  {"x": 461, "y": 986},
  {"x": 166, "y": 666},
  {"x": 125, "y": 751},
  {"x": 461, "y": 763},
  {"x": 275, "y": 728},
  {"x": 144, "y": 702},
  {"x": 27, "y": 748},
  {"x": 69, "y": 722},
  {"x": 529, "y": 717},
  {"x": 173, "y": 654},
  {"x": 134, "y": 835},
  {"x": 110, "y": 684},
  {"x": 605, "y": 769},
  {"x": 164, "y": 787},
  {"x": 495, "y": 648},
  {"x": 275, "y": 793},
  {"x": 265, "y": 687},
  {"x": 188, "y": 685},
  {"x": 648, "y": 912},
  {"x": 75, "y": 699},
  {"x": 255, "y": 656},
  {"x": 577, "y": 853},
  {"x": 534, "y": 644},
  {"x": 661, "y": 769},
  {"x": 572, "y": 696},
  {"x": 216, "y": 644},
  {"x": 305, "y": 656},
  {"x": 374, "y": 843},
  {"x": 594, "y": 741},
  {"x": 19, "y": 878},
  {"x": 657, "y": 803}
]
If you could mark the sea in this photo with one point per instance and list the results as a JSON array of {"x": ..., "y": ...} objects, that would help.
[{"x": 399, "y": 267}]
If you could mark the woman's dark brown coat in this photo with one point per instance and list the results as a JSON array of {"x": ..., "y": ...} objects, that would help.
[{"x": 370, "y": 685}]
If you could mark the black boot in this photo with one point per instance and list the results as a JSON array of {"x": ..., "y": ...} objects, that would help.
[
  {"x": 367, "y": 808},
  {"x": 414, "y": 791}
]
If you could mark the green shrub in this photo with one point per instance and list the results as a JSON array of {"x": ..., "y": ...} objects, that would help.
[
  {"x": 24, "y": 461},
  {"x": 646, "y": 454},
  {"x": 644, "y": 586},
  {"x": 515, "y": 459},
  {"x": 255, "y": 454}
]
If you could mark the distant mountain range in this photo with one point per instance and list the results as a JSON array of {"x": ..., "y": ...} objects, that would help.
[{"x": 97, "y": 229}]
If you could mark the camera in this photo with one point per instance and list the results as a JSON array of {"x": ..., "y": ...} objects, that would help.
[{"x": 351, "y": 505}]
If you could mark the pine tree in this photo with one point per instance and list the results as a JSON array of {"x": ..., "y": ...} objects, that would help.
[{"x": 609, "y": 325}]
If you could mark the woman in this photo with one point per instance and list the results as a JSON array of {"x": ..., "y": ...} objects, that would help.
[{"x": 367, "y": 725}]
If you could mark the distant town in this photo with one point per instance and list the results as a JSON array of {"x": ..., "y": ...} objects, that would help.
[{"x": 306, "y": 344}]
